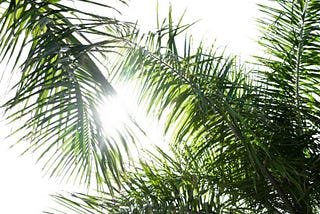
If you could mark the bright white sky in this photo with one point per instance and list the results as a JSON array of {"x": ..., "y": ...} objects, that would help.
[{"x": 23, "y": 187}]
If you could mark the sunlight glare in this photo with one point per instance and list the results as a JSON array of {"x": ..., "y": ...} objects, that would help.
[
  {"x": 113, "y": 114},
  {"x": 124, "y": 111}
]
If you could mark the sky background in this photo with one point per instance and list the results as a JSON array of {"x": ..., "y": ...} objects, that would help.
[{"x": 25, "y": 189}]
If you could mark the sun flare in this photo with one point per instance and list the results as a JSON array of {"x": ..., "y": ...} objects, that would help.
[
  {"x": 113, "y": 114},
  {"x": 122, "y": 112}
]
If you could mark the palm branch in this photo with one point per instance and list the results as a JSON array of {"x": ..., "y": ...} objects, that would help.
[
  {"x": 61, "y": 85},
  {"x": 248, "y": 136},
  {"x": 198, "y": 85},
  {"x": 290, "y": 101},
  {"x": 161, "y": 183},
  {"x": 260, "y": 131}
]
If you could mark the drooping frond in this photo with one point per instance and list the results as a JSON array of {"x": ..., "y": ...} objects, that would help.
[{"x": 61, "y": 84}]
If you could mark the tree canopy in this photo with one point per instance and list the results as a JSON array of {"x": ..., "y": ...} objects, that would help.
[{"x": 243, "y": 139}]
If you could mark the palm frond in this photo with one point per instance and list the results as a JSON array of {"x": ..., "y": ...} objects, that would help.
[
  {"x": 61, "y": 85},
  {"x": 212, "y": 104},
  {"x": 290, "y": 102},
  {"x": 205, "y": 97},
  {"x": 164, "y": 183}
]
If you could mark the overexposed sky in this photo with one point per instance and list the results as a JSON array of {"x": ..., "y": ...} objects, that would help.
[
  {"x": 23, "y": 187},
  {"x": 231, "y": 22}
]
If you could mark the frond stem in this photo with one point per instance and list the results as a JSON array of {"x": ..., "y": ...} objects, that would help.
[{"x": 298, "y": 70}]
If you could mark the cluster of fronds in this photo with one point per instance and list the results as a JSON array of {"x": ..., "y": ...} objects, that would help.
[{"x": 242, "y": 141}]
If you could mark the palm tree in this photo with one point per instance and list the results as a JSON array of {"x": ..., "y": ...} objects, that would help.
[{"x": 242, "y": 141}]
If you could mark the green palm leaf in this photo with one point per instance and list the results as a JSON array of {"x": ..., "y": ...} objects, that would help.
[
  {"x": 61, "y": 86},
  {"x": 291, "y": 101},
  {"x": 208, "y": 97},
  {"x": 243, "y": 141},
  {"x": 165, "y": 184}
]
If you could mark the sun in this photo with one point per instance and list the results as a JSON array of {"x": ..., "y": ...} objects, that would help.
[
  {"x": 113, "y": 114},
  {"x": 122, "y": 113},
  {"x": 118, "y": 112}
]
